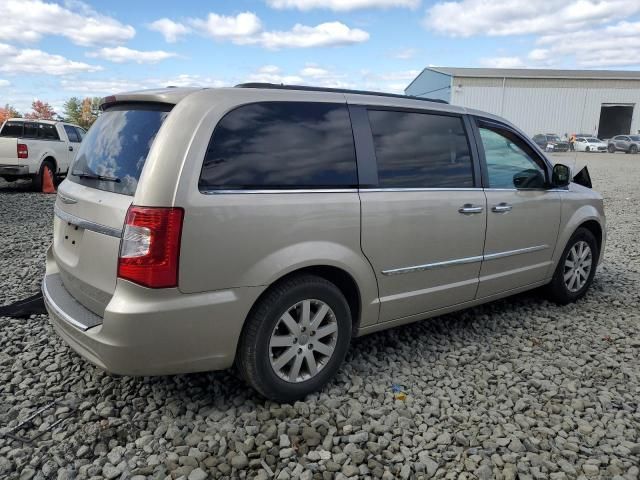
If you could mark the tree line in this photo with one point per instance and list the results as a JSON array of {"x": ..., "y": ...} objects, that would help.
[{"x": 81, "y": 111}]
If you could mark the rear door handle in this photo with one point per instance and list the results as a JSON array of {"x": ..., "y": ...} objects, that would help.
[
  {"x": 502, "y": 208},
  {"x": 469, "y": 209}
]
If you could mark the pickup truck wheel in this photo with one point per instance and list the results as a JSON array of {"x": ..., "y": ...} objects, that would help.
[
  {"x": 295, "y": 338},
  {"x": 36, "y": 182},
  {"x": 576, "y": 268}
]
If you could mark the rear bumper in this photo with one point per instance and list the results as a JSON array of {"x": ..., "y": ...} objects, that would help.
[
  {"x": 16, "y": 170},
  {"x": 153, "y": 332}
]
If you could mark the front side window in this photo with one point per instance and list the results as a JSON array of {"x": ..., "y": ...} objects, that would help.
[
  {"x": 271, "y": 145},
  {"x": 420, "y": 150},
  {"x": 72, "y": 134},
  {"x": 511, "y": 163}
]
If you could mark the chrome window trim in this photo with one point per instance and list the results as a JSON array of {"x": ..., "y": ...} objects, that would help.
[
  {"x": 86, "y": 224},
  {"x": 434, "y": 189},
  {"x": 279, "y": 190},
  {"x": 462, "y": 261}
]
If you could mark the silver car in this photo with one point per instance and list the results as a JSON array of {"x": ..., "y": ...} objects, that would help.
[
  {"x": 265, "y": 226},
  {"x": 624, "y": 143}
]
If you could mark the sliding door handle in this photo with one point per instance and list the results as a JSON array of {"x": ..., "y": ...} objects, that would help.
[
  {"x": 502, "y": 208},
  {"x": 470, "y": 209}
]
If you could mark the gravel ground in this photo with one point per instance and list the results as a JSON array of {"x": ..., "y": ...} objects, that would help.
[{"x": 520, "y": 388}]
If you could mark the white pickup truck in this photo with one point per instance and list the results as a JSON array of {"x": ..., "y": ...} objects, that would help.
[{"x": 28, "y": 147}]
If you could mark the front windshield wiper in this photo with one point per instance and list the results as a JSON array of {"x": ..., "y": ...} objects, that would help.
[{"x": 95, "y": 176}]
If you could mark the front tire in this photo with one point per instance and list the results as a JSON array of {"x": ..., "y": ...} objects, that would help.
[
  {"x": 577, "y": 266},
  {"x": 587, "y": 149},
  {"x": 611, "y": 149},
  {"x": 295, "y": 338},
  {"x": 633, "y": 149}
]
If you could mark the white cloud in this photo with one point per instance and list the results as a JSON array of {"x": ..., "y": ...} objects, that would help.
[
  {"x": 30, "y": 20},
  {"x": 124, "y": 55},
  {"x": 247, "y": 29},
  {"x": 4, "y": 83},
  {"x": 464, "y": 18},
  {"x": 273, "y": 74},
  {"x": 302, "y": 36},
  {"x": 405, "y": 53},
  {"x": 111, "y": 86},
  {"x": 313, "y": 71},
  {"x": 342, "y": 5},
  {"x": 13, "y": 60},
  {"x": 237, "y": 28},
  {"x": 170, "y": 30},
  {"x": 610, "y": 46},
  {"x": 502, "y": 62}
]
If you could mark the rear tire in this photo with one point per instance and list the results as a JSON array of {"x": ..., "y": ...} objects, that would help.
[
  {"x": 611, "y": 149},
  {"x": 36, "y": 182},
  {"x": 576, "y": 268},
  {"x": 277, "y": 352}
]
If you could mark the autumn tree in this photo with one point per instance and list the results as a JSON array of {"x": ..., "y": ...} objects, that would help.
[
  {"x": 41, "y": 111},
  {"x": 8, "y": 112}
]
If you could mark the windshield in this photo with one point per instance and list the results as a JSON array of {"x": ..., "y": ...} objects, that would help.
[
  {"x": 115, "y": 148},
  {"x": 553, "y": 138},
  {"x": 635, "y": 138}
]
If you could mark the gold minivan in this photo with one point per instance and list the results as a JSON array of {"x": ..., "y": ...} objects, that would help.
[{"x": 266, "y": 225}]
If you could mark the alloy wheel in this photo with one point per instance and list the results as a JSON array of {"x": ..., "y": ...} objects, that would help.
[
  {"x": 577, "y": 266},
  {"x": 303, "y": 340}
]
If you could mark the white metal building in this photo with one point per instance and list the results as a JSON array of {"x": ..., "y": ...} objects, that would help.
[{"x": 600, "y": 102}]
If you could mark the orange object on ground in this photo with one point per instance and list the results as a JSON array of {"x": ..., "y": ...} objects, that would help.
[{"x": 47, "y": 181}]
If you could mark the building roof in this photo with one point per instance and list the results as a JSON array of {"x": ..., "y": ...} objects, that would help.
[{"x": 537, "y": 73}]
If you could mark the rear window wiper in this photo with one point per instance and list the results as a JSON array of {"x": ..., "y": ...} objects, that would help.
[{"x": 95, "y": 176}]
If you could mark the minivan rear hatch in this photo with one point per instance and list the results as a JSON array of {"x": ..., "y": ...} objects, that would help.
[{"x": 92, "y": 203}]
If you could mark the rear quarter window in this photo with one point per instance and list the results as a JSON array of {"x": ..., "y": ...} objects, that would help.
[{"x": 272, "y": 145}]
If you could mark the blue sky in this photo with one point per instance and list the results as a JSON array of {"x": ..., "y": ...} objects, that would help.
[{"x": 53, "y": 50}]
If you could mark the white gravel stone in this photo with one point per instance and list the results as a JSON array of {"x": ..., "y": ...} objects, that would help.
[{"x": 520, "y": 388}]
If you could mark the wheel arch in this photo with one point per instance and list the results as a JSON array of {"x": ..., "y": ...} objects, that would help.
[
  {"x": 343, "y": 280},
  {"x": 50, "y": 158}
]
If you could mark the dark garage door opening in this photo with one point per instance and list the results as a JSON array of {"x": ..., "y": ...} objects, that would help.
[{"x": 615, "y": 120}]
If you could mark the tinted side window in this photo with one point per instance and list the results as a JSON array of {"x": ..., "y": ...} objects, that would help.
[
  {"x": 281, "y": 144},
  {"x": 420, "y": 150},
  {"x": 510, "y": 161},
  {"x": 47, "y": 131},
  {"x": 72, "y": 134},
  {"x": 81, "y": 133}
]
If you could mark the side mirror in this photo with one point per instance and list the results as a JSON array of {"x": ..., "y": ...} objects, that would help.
[
  {"x": 530, "y": 178},
  {"x": 561, "y": 176}
]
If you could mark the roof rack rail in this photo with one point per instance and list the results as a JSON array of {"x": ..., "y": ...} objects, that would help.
[{"x": 277, "y": 86}]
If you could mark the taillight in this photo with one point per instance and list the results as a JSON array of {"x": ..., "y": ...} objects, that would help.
[
  {"x": 23, "y": 151},
  {"x": 150, "y": 246}
]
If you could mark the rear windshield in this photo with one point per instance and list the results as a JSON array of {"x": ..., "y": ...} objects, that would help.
[
  {"x": 12, "y": 129},
  {"x": 115, "y": 148}
]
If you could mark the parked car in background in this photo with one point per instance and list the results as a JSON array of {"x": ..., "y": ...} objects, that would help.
[
  {"x": 266, "y": 226},
  {"x": 29, "y": 147},
  {"x": 624, "y": 143},
  {"x": 590, "y": 144},
  {"x": 551, "y": 142}
]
